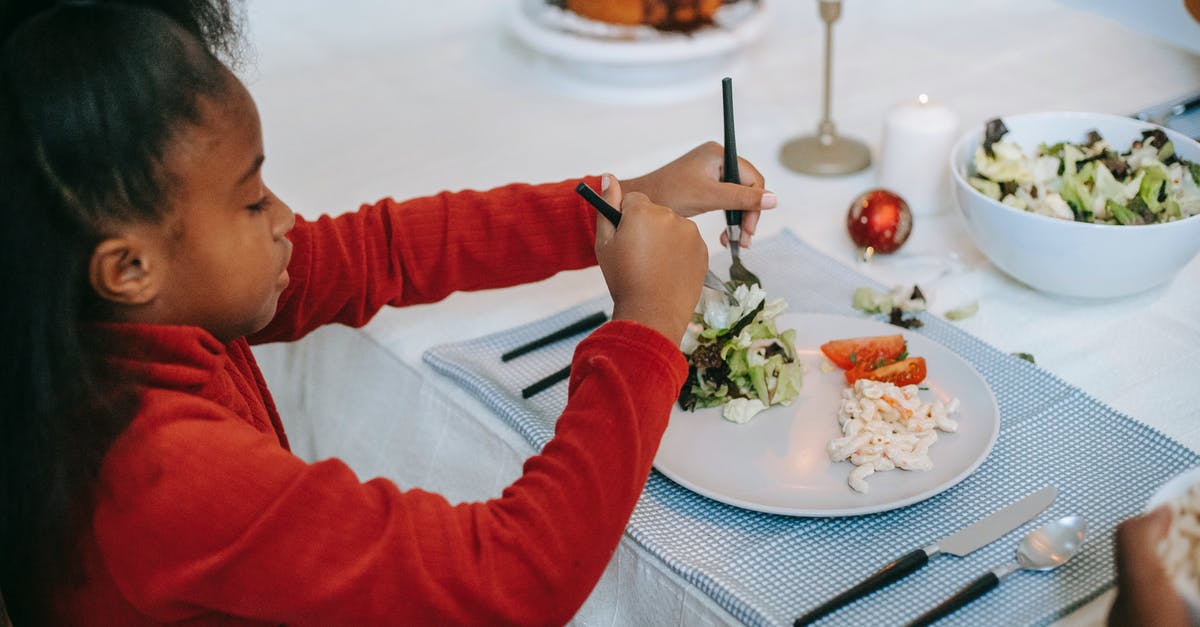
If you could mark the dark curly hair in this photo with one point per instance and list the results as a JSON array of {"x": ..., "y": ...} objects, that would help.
[{"x": 91, "y": 96}]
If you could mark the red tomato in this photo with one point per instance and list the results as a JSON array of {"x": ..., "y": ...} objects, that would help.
[
  {"x": 909, "y": 371},
  {"x": 867, "y": 351},
  {"x": 861, "y": 370}
]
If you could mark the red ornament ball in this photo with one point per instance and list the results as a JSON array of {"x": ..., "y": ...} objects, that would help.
[{"x": 879, "y": 220}]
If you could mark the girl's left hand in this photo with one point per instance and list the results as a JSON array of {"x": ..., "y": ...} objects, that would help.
[{"x": 692, "y": 185}]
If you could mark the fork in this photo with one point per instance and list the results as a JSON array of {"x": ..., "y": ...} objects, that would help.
[
  {"x": 711, "y": 280},
  {"x": 738, "y": 273}
]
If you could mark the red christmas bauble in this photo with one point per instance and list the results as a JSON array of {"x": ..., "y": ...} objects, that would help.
[{"x": 879, "y": 221}]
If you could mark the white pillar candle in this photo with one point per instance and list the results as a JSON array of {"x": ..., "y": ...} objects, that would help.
[{"x": 915, "y": 151}]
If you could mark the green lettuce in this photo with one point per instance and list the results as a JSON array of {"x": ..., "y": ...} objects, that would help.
[{"x": 737, "y": 358}]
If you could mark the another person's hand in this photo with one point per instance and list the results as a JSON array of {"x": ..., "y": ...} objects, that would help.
[
  {"x": 1145, "y": 593},
  {"x": 692, "y": 184},
  {"x": 654, "y": 263}
]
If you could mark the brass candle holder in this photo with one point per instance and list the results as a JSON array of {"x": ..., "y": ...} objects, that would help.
[{"x": 826, "y": 153}]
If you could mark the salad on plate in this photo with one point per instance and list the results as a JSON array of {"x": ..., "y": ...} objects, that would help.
[
  {"x": 737, "y": 358},
  {"x": 1092, "y": 181}
]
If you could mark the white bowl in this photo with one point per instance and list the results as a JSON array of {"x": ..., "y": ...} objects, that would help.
[{"x": 1062, "y": 256}]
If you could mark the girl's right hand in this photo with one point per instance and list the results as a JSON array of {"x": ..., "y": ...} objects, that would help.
[{"x": 654, "y": 264}]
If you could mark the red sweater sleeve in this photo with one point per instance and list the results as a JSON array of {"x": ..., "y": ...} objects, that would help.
[
  {"x": 345, "y": 269},
  {"x": 203, "y": 513}
]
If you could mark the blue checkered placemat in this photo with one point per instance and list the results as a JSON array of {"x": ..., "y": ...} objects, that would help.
[{"x": 768, "y": 569}]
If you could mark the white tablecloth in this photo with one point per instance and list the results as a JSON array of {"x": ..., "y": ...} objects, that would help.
[{"x": 371, "y": 99}]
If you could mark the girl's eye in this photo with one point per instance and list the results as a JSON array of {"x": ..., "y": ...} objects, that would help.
[{"x": 260, "y": 205}]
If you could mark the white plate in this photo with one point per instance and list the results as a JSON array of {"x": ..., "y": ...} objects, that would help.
[
  {"x": 634, "y": 64},
  {"x": 777, "y": 462}
]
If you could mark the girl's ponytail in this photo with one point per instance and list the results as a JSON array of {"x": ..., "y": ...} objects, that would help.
[{"x": 91, "y": 97}]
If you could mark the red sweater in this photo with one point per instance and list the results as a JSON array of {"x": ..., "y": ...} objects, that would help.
[{"x": 203, "y": 515}]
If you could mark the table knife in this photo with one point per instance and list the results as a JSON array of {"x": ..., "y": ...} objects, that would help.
[
  {"x": 711, "y": 281},
  {"x": 960, "y": 543}
]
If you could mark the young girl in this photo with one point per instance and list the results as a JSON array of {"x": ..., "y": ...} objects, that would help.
[{"x": 145, "y": 477}]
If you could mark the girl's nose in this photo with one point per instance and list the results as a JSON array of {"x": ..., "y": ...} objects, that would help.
[{"x": 285, "y": 218}]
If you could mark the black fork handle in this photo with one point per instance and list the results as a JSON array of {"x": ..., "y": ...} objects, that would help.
[{"x": 730, "y": 174}]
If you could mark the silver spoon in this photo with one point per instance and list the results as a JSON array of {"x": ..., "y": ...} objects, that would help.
[{"x": 1047, "y": 547}]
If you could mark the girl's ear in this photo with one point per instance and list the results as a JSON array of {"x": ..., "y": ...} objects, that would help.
[{"x": 125, "y": 271}]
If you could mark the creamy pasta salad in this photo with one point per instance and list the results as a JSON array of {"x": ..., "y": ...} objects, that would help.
[{"x": 886, "y": 427}]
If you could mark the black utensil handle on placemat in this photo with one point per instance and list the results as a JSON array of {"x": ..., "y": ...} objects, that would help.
[
  {"x": 972, "y": 591},
  {"x": 546, "y": 382},
  {"x": 730, "y": 173},
  {"x": 601, "y": 205},
  {"x": 884, "y": 576},
  {"x": 575, "y": 328}
]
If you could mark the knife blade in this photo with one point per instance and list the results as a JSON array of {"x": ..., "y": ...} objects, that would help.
[
  {"x": 960, "y": 543},
  {"x": 998, "y": 524}
]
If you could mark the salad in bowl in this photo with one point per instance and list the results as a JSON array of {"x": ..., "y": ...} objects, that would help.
[
  {"x": 1102, "y": 205},
  {"x": 1091, "y": 181},
  {"x": 737, "y": 358}
]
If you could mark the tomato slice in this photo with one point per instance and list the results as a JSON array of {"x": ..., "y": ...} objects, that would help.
[
  {"x": 909, "y": 371},
  {"x": 866, "y": 350},
  {"x": 860, "y": 370}
]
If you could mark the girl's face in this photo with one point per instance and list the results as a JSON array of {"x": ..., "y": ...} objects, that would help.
[{"x": 220, "y": 256}]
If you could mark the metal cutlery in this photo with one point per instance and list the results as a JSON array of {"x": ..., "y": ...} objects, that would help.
[
  {"x": 1181, "y": 114},
  {"x": 711, "y": 280},
  {"x": 1045, "y": 548},
  {"x": 960, "y": 543},
  {"x": 738, "y": 274},
  {"x": 575, "y": 328},
  {"x": 546, "y": 382}
]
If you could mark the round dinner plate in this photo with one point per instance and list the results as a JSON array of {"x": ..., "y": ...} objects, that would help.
[
  {"x": 777, "y": 463},
  {"x": 635, "y": 64}
]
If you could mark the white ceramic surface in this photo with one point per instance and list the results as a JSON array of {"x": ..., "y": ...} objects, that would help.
[
  {"x": 778, "y": 463},
  {"x": 1065, "y": 257},
  {"x": 634, "y": 64},
  {"x": 1173, "y": 489}
]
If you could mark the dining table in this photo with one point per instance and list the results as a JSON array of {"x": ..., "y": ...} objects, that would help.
[{"x": 366, "y": 99}]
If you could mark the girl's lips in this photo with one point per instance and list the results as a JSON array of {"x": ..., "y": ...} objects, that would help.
[{"x": 284, "y": 277}]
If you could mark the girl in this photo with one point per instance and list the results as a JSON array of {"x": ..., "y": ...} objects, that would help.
[{"x": 145, "y": 477}]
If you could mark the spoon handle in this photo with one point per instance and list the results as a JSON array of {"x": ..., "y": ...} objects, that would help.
[{"x": 972, "y": 591}]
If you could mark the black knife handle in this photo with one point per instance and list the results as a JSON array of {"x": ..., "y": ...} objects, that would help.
[
  {"x": 575, "y": 328},
  {"x": 601, "y": 205},
  {"x": 972, "y": 591},
  {"x": 886, "y": 575}
]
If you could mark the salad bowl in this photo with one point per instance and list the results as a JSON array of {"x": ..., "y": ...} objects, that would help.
[{"x": 1062, "y": 255}]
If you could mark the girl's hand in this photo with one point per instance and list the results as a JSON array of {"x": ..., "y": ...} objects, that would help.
[
  {"x": 692, "y": 184},
  {"x": 654, "y": 263},
  {"x": 1145, "y": 593}
]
